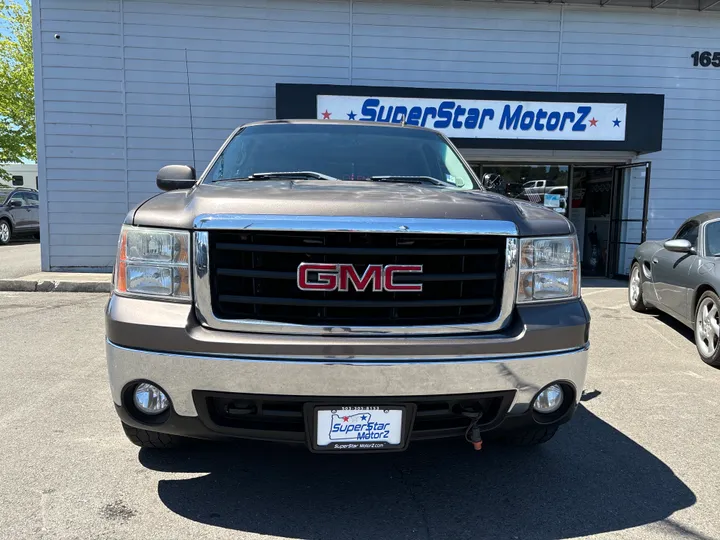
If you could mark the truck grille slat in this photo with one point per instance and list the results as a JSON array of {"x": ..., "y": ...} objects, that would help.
[
  {"x": 399, "y": 279},
  {"x": 253, "y": 275},
  {"x": 353, "y": 303},
  {"x": 222, "y": 246}
]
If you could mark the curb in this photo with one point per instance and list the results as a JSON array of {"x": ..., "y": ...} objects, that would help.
[{"x": 21, "y": 285}]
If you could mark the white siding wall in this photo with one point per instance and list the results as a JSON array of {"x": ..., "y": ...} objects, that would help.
[
  {"x": 115, "y": 91},
  {"x": 644, "y": 51},
  {"x": 455, "y": 45}
]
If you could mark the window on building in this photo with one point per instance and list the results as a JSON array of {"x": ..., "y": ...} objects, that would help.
[
  {"x": 17, "y": 180},
  {"x": 528, "y": 182}
]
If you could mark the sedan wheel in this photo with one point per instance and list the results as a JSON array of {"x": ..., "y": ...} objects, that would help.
[
  {"x": 4, "y": 232},
  {"x": 635, "y": 298},
  {"x": 707, "y": 328}
]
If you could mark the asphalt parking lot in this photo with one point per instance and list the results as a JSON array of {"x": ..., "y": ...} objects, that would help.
[
  {"x": 19, "y": 258},
  {"x": 638, "y": 461}
]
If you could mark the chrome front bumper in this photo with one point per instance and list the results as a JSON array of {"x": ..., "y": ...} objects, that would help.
[{"x": 180, "y": 374}]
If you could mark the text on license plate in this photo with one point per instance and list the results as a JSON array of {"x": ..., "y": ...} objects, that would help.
[{"x": 338, "y": 428}]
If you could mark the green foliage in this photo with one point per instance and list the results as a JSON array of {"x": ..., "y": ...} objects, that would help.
[{"x": 17, "y": 100}]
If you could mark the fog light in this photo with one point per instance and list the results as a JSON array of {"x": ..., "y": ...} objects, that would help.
[
  {"x": 150, "y": 399},
  {"x": 549, "y": 400}
]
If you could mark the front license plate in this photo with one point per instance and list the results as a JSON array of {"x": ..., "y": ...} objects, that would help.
[{"x": 359, "y": 428}]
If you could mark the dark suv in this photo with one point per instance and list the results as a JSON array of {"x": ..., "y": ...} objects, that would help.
[{"x": 19, "y": 214}]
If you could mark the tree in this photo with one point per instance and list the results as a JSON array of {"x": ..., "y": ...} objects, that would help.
[{"x": 17, "y": 95}]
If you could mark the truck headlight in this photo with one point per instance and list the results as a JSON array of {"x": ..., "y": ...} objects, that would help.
[
  {"x": 549, "y": 269},
  {"x": 153, "y": 263}
]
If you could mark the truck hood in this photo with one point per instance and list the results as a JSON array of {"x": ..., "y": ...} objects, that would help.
[{"x": 178, "y": 209}]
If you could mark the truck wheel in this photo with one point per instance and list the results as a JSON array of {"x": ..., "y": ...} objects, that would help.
[
  {"x": 530, "y": 436},
  {"x": 151, "y": 439},
  {"x": 707, "y": 328},
  {"x": 635, "y": 298},
  {"x": 5, "y": 232}
]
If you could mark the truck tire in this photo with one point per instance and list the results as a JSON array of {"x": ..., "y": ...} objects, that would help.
[
  {"x": 151, "y": 439},
  {"x": 530, "y": 436}
]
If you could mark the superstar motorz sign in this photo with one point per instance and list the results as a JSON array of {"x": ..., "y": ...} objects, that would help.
[{"x": 485, "y": 119}]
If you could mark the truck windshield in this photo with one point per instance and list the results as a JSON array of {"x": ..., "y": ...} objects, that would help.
[{"x": 344, "y": 152}]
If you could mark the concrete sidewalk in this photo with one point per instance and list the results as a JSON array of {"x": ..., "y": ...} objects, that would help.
[{"x": 59, "y": 282}]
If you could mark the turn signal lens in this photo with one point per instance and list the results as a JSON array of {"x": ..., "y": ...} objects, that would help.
[
  {"x": 153, "y": 263},
  {"x": 181, "y": 282}
]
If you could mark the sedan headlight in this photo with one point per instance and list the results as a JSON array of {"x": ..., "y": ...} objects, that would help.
[
  {"x": 549, "y": 269},
  {"x": 153, "y": 263}
]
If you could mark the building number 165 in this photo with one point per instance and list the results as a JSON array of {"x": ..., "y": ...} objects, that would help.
[{"x": 705, "y": 59}]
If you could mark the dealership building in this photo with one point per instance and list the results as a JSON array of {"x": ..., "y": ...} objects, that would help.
[{"x": 608, "y": 111}]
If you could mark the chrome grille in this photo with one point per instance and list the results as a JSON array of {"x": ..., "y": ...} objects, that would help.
[
  {"x": 208, "y": 267},
  {"x": 254, "y": 276}
]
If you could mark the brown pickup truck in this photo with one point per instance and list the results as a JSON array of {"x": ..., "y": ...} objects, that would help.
[{"x": 346, "y": 286}]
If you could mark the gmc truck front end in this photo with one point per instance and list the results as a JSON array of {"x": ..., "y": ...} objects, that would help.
[{"x": 345, "y": 333}]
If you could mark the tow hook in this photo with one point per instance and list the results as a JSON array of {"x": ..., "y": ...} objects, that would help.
[
  {"x": 475, "y": 438},
  {"x": 472, "y": 434}
]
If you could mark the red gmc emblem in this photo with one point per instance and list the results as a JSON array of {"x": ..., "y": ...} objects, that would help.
[{"x": 339, "y": 277}]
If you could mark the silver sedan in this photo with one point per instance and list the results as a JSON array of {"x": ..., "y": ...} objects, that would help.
[{"x": 681, "y": 276}]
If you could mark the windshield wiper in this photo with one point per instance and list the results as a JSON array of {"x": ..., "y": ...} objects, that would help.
[
  {"x": 291, "y": 174},
  {"x": 410, "y": 180}
]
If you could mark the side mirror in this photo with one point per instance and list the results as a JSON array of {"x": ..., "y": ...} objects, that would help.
[
  {"x": 679, "y": 246},
  {"x": 173, "y": 177},
  {"x": 14, "y": 203}
]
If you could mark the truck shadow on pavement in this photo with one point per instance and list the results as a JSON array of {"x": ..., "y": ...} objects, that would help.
[{"x": 589, "y": 479}]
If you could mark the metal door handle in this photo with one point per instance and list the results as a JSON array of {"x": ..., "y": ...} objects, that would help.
[{"x": 655, "y": 261}]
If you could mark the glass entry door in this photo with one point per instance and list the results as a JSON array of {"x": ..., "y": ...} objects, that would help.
[
  {"x": 590, "y": 209},
  {"x": 628, "y": 216}
]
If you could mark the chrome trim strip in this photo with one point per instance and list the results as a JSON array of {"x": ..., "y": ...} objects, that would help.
[
  {"x": 359, "y": 360},
  {"x": 201, "y": 280},
  {"x": 180, "y": 374},
  {"x": 371, "y": 359},
  {"x": 204, "y": 311},
  {"x": 270, "y": 222}
]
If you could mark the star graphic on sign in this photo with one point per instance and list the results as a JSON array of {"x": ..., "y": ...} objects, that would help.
[
  {"x": 593, "y": 122},
  {"x": 326, "y": 115},
  {"x": 364, "y": 417},
  {"x": 616, "y": 122},
  {"x": 351, "y": 115},
  {"x": 346, "y": 418}
]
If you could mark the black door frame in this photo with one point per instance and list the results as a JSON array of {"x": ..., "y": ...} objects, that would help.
[{"x": 616, "y": 221}]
